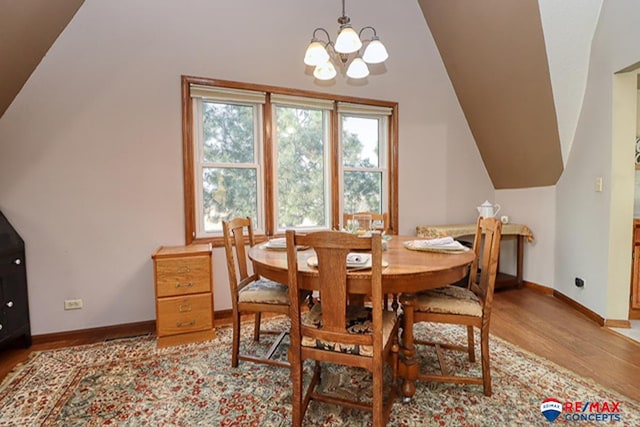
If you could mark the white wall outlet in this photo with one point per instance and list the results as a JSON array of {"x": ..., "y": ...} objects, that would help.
[{"x": 72, "y": 304}]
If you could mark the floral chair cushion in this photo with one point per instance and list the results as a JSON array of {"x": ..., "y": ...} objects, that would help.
[
  {"x": 359, "y": 321},
  {"x": 264, "y": 291},
  {"x": 449, "y": 300}
]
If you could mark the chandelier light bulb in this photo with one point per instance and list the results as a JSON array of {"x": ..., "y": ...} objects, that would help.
[
  {"x": 324, "y": 71},
  {"x": 375, "y": 52},
  {"x": 315, "y": 54},
  {"x": 347, "y": 41},
  {"x": 358, "y": 69}
]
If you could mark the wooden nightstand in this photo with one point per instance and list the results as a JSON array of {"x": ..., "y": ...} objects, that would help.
[{"x": 184, "y": 294}]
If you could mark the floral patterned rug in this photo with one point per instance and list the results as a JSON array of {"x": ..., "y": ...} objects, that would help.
[{"x": 130, "y": 382}]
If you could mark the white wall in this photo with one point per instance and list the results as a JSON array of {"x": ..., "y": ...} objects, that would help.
[
  {"x": 91, "y": 159},
  {"x": 584, "y": 216},
  {"x": 568, "y": 27},
  {"x": 534, "y": 207}
]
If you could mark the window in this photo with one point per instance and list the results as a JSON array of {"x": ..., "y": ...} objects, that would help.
[
  {"x": 285, "y": 158},
  {"x": 301, "y": 144},
  {"x": 364, "y": 145},
  {"x": 227, "y": 157}
]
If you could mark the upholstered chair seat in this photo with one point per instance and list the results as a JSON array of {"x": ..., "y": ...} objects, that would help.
[
  {"x": 449, "y": 300},
  {"x": 359, "y": 321},
  {"x": 264, "y": 291}
]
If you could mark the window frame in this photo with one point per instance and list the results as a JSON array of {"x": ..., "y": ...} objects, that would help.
[
  {"x": 200, "y": 164},
  {"x": 326, "y": 155},
  {"x": 383, "y": 154},
  {"x": 267, "y": 166}
]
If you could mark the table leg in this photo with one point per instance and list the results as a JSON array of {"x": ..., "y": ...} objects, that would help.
[
  {"x": 408, "y": 367},
  {"x": 519, "y": 254}
]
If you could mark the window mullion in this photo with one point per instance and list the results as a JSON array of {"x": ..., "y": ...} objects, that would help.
[
  {"x": 268, "y": 147},
  {"x": 336, "y": 169}
]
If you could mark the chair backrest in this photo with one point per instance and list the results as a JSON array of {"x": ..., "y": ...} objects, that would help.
[
  {"x": 486, "y": 246},
  {"x": 235, "y": 237},
  {"x": 375, "y": 216},
  {"x": 332, "y": 248}
]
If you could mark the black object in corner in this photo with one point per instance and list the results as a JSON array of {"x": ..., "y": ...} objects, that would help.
[{"x": 14, "y": 300}]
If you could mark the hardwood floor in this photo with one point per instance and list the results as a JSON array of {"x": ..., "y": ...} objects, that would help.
[
  {"x": 536, "y": 322},
  {"x": 546, "y": 326}
]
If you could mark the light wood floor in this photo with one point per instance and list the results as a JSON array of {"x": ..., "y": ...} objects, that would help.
[
  {"x": 536, "y": 322},
  {"x": 546, "y": 326}
]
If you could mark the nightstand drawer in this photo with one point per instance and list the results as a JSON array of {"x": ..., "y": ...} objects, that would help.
[
  {"x": 179, "y": 315},
  {"x": 185, "y": 275}
]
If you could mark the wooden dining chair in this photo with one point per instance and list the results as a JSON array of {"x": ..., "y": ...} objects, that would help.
[
  {"x": 470, "y": 307},
  {"x": 333, "y": 331},
  {"x": 375, "y": 216},
  {"x": 251, "y": 293}
]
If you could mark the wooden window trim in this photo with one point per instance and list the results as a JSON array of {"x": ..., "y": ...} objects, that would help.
[{"x": 188, "y": 150}]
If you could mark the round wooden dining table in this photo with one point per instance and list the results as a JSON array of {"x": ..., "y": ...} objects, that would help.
[{"x": 407, "y": 272}]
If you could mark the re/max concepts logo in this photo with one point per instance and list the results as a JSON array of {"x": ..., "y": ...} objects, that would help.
[{"x": 604, "y": 411}]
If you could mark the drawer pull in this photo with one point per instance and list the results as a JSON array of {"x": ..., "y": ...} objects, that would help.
[
  {"x": 17, "y": 261},
  {"x": 184, "y": 285},
  {"x": 184, "y": 269},
  {"x": 181, "y": 324},
  {"x": 184, "y": 308},
  {"x": 10, "y": 304}
]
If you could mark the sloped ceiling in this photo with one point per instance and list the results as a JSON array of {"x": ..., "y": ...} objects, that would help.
[
  {"x": 494, "y": 53},
  {"x": 27, "y": 31},
  {"x": 493, "y": 50}
]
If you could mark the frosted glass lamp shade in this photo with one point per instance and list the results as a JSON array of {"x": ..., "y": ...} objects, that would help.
[
  {"x": 324, "y": 71},
  {"x": 347, "y": 41},
  {"x": 316, "y": 54},
  {"x": 375, "y": 52},
  {"x": 358, "y": 69}
]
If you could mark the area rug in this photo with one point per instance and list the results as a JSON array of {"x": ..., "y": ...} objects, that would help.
[{"x": 130, "y": 382}]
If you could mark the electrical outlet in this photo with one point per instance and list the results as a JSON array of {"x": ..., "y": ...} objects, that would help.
[{"x": 72, "y": 304}]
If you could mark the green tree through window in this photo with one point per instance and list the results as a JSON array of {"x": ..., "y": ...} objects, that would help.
[
  {"x": 285, "y": 158},
  {"x": 229, "y": 173}
]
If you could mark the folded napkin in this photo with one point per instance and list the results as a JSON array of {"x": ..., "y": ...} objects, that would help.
[
  {"x": 279, "y": 242},
  {"x": 442, "y": 243}
]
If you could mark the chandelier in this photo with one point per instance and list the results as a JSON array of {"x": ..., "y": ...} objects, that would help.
[{"x": 345, "y": 52}]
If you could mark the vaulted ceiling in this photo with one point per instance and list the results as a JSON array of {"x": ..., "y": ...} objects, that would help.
[
  {"x": 27, "y": 31},
  {"x": 493, "y": 50}
]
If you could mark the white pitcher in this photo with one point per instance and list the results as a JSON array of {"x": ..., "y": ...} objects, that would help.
[{"x": 487, "y": 210}]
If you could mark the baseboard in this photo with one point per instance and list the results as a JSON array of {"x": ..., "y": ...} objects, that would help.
[
  {"x": 538, "y": 288},
  {"x": 115, "y": 331},
  {"x": 97, "y": 334},
  {"x": 224, "y": 317},
  {"x": 581, "y": 308},
  {"x": 617, "y": 323},
  {"x": 570, "y": 302}
]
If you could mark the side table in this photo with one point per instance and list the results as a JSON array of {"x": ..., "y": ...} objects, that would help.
[{"x": 522, "y": 232}]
